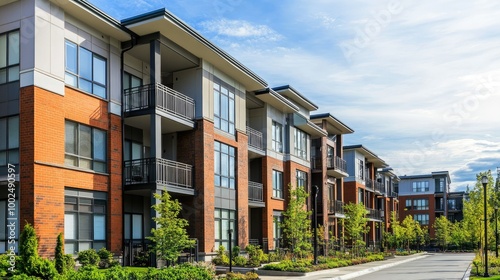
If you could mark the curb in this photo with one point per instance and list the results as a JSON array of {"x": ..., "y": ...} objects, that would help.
[{"x": 373, "y": 269}]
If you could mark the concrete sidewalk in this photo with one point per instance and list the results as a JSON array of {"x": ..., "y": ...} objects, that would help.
[{"x": 350, "y": 272}]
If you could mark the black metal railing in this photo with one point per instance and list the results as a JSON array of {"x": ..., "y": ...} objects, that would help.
[
  {"x": 255, "y": 191},
  {"x": 379, "y": 187},
  {"x": 336, "y": 162},
  {"x": 161, "y": 97},
  {"x": 158, "y": 170},
  {"x": 373, "y": 214},
  {"x": 336, "y": 207},
  {"x": 255, "y": 138}
]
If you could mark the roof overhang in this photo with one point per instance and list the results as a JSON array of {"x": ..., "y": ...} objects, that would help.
[
  {"x": 292, "y": 94},
  {"x": 276, "y": 100},
  {"x": 182, "y": 34},
  {"x": 334, "y": 126},
  {"x": 369, "y": 155},
  {"x": 94, "y": 17},
  {"x": 6, "y": 2},
  {"x": 307, "y": 126}
]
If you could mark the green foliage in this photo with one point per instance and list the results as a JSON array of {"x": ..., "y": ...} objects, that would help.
[
  {"x": 5, "y": 264},
  {"x": 236, "y": 251},
  {"x": 171, "y": 237},
  {"x": 355, "y": 225},
  {"x": 106, "y": 258},
  {"x": 88, "y": 258},
  {"x": 69, "y": 262},
  {"x": 222, "y": 258},
  {"x": 59, "y": 258},
  {"x": 239, "y": 261},
  {"x": 443, "y": 229},
  {"x": 28, "y": 250},
  {"x": 255, "y": 255},
  {"x": 297, "y": 225},
  {"x": 239, "y": 276},
  {"x": 301, "y": 265},
  {"x": 44, "y": 269},
  {"x": 141, "y": 258}
]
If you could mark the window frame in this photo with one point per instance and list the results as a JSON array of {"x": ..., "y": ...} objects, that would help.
[
  {"x": 220, "y": 154},
  {"x": 300, "y": 143},
  {"x": 10, "y": 150},
  {"x": 420, "y": 186},
  {"x": 9, "y": 66},
  {"x": 78, "y": 213},
  {"x": 278, "y": 221},
  {"x": 277, "y": 137},
  {"x": 278, "y": 191},
  {"x": 220, "y": 92},
  {"x": 78, "y": 76},
  {"x": 301, "y": 176},
  {"x": 421, "y": 204},
  {"x": 424, "y": 221},
  {"x": 77, "y": 156},
  {"x": 230, "y": 220}
]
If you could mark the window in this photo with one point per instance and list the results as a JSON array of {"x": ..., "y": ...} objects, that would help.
[
  {"x": 224, "y": 166},
  {"x": 85, "y": 147},
  {"x": 84, "y": 220},
  {"x": 278, "y": 230},
  {"x": 421, "y": 204},
  {"x": 301, "y": 179},
  {"x": 7, "y": 204},
  {"x": 361, "y": 169},
  {"x": 277, "y": 184},
  {"x": 85, "y": 70},
  {"x": 422, "y": 186},
  {"x": 223, "y": 108},
  {"x": 277, "y": 135},
  {"x": 408, "y": 204},
  {"x": 423, "y": 219},
  {"x": 452, "y": 204},
  {"x": 9, "y": 140},
  {"x": 300, "y": 143},
  {"x": 361, "y": 196},
  {"x": 132, "y": 224},
  {"x": 132, "y": 150},
  {"x": 440, "y": 185},
  {"x": 131, "y": 81},
  {"x": 9, "y": 57},
  {"x": 224, "y": 220}
]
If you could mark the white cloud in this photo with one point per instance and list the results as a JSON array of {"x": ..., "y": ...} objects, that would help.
[{"x": 239, "y": 28}]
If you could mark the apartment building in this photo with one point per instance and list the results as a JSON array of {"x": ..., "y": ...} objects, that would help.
[
  {"x": 427, "y": 197},
  {"x": 372, "y": 183},
  {"x": 328, "y": 172},
  {"x": 97, "y": 115}
]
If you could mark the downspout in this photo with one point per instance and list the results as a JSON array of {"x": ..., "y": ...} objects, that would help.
[{"x": 133, "y": 39}]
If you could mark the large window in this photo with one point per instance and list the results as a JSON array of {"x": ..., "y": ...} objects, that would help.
[
  {"x": 132, "y": 224},
  {"x": 301, "y": 177},
  {"x": 423, "y": 219},
  {"x": 224, "y": 220},
  {"x": 278, "y": 230},
  {"x": 85, "y": 147},
  {"x": 84, "y": 220},
  {"x": 9, "y": 140},
  {"x": 277, "y": 184},
  {"x": 8, "y": 202},
  {"x": 223, "y": 108},
  {"x": 421, "y": 204},
  {"x": 408, "y": 204},
  {"x": 131, "y": 81},
  {"x": 224, "y": 166},
  {"x": 9, "y": 57},
  {"x": 422, "y": 186},
  {"x": 300, "y": 143},
  {"x": 440, "y": 185},
  {"x": 277, "y": 137},
  {"x": 85, "y": 70},
  {"x": 360, "y": 170}
]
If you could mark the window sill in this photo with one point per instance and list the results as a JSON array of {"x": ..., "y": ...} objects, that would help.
[
  {"x": 85, "y": 92},
  {"x": 277, "y": 198}
]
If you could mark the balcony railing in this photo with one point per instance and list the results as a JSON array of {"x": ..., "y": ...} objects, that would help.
[
  {"x": 394, "y": 194},
  {"x": 161, "y": 97},
  {"x": 336, "y": 162},
  {"x": 159, "y": 171},
  {"x": 369, "y": 184},
  {"x": 379, "y": 187},
  {"x": 336, "y": 207},
  {"x": 373, "y": 214},
  {"x": 255, "y": 191},
  {"x": 255, "y": 138}
]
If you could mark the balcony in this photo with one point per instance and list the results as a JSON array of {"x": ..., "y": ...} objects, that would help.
[
  {"x": 336, "y": 207},
  {"x": 369, "y": 184},
  {"x": 393, "y": 195},
  {"x": 379, "y": 187},
  {"x": 335, "y": 166},
  {"x": 157, "y": 98},
  {"x": 255, "y": 194},
  {"x": 255, "y": 143},
  {"x": 159, "y": 172},
  {"x": 373, "y": 214}
]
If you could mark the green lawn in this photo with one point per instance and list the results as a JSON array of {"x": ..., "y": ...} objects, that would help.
[{"x": 495, "y": 277}]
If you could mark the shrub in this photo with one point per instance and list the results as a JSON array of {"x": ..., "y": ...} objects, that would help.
[
  {"x": 184, "y": 271},
  {"x": 88, "y": 257},
  {"x": 59, "y": 258},
  {"x": 106, "y": 258},
  {"x": 141, "y": 258},
  {"x": 28, "y": 250},
  {"x": 274, "y": 257},
  {"x": 255, "y": 255},
  {"x": 69, "y": 262},
  {"x": 301, "y": 265},
  {"x": 236, "y": 251},
  {"x": 221, "y": 258},
  {"x": 44, "y": 269},
  {"x": 239, "y": 261}
]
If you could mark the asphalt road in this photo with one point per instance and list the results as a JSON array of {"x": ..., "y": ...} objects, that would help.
[{"x": 432, "y": 266}]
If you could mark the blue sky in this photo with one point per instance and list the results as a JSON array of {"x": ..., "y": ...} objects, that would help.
[{"x": 418, "y": 81}]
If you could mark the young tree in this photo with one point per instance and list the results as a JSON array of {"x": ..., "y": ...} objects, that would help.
[
  {"x": 59, "y": 257},
  {"x": 171, "y": 237},
  {"x": 297, "y": 225},
  {"x": 355, "y": 224},
  {"x": 28, "y": 249},
  {"x": 443, "y": 231},
  {"x": 411, "y": 230}
]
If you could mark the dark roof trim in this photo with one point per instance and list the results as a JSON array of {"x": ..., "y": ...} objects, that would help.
[
  {"x": 195, "y": 34},
  {"x": 328, "y": 115},
  {"x": 99, "y": 13},
  {"x": 285, "y": 87},
  {"x": 278, "y": 96}
]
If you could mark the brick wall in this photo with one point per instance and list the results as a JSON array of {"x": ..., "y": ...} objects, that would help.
[{"x": 268, "y": 165}]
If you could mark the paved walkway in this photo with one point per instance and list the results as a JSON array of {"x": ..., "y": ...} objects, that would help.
[{"x": 350, "y": 272}]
